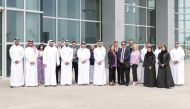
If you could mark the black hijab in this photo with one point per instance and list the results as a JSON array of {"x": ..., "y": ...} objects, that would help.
[{"x": 161, "y": 55}]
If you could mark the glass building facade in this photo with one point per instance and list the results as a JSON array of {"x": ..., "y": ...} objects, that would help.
[
  {"x": 91, "y": 20},
  {"x": 42, "y": 20},
  {"x": 182, "y": 24},
  {"x": 140, "y": 21}
]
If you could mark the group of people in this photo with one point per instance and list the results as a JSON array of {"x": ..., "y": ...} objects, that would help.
[{"x": 53, "y": 64}]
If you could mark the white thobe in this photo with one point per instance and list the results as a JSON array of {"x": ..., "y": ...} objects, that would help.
[
  {"x": 156, "y": 52},
  {"x": 50, "y": 58},
  {"x": 31, "y": 74},
  {"x": 17, "y": 74},
  {"x": 143, "y": 53},
  {"x": 66, "y": 70},
  {"x": 99, "y": 70},
  {"x": 178, "y": 69},
  {"x": 83, "y": 68}
]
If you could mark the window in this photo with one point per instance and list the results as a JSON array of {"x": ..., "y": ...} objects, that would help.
[
  {"x": 90, "y": 9},
  {"x": 33, "y": 5},
  {"x": 48, "y": 30},
  {"x": 69, "y": 8},
  {"x": 33, "y": 27},
  {"x": 15, "y": 25},
  {"x": 49, "y": 7},
  {"x": 69, "y": 30},
  {"x": 15, "y": 3},
  {"x": 90, "y": 32}
]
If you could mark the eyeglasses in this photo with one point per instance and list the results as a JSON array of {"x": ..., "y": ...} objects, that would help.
[{"x": 123, "y": 44}]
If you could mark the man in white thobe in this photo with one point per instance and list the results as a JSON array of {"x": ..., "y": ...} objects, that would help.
[
  {"x": 66, "y": 64},
  {"x": 143, "y": 53},
  {"x": 50, "y": 58},
  {"x": 83, "y": 55},
  {"x": 31, "y": 55},
  {"x": 177, "y": 64},
  {"x": 157, "y": 52},
  {"x": 17, "y": 75},
  {"x": 99, "y": 65}
]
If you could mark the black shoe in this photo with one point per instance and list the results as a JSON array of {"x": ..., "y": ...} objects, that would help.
[{"x": 126, "y": 84}]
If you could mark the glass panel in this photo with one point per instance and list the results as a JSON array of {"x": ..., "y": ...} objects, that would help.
[
  {"x": 136, "y": 2},
  {"x": 1, "y": 3},
  {"x": 151, "y": 17},
  {"x": 140, "y": 35},
  {"x": 187, "y": 3},
  {"x": 151, "y": 4},
  {"x": 181, "y": 25},
  {"x": 48, "y": 30},
  {"x": 49, "y": 7},
  {"x": 32, "y": 26},
  {"x": 187, "y": 25},
  {"x": 15, "y": 25},
  {"x": 140, "y": 16},
  {"x": 129, "y": 33},
  {"x": 69, "y": 8},
  {"x": 69, "y": 30},
  {"x": 181, "y": 37},
  {"x": 33, "y": 5},
  {"x": 90, "y": 9},
  {"x": 129, "y": 14},
  {"x": 90, "y": 32},
  {"x": 151, "y": 35},
  {"x": 15, "y": 3}
]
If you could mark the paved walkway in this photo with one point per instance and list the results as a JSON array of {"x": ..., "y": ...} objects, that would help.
[{"x": 95, "y": 97}]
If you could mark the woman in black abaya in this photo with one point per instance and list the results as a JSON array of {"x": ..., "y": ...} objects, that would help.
[
  {"x": 149, "y": 68},
  {"x": 164, "y": 79}
]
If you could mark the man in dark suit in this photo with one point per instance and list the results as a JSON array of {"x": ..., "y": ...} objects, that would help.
[
  {"x": 58, "y": 68},
  {"x": 75, "y": 60},
  {"x": 124, "y": 57}
]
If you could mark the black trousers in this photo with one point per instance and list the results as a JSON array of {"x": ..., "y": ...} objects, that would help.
[
  {"x": 75, "y": 67},
  {"x": 134, "y": 70},
  {"x": 58, "y": 69},
  {"x": 112, "y": 74},
  {"x": 118, "y": 75},
  {"x": 125, "y": 74}
]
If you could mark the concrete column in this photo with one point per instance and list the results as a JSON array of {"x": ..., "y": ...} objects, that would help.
[
  {"x": 165, "y": 22},
  {"x": 112, "y": 21}
]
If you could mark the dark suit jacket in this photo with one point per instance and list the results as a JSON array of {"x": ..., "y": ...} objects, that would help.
[
  {"x": 127, "y": 56},
  {"x": 111, "y": 59}
]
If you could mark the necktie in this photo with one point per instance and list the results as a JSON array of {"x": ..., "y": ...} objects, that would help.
[{"x": 123, "y": 53}]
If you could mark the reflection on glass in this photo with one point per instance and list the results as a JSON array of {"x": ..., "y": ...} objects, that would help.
[
  {"x": 49, "y": 7},
  {"x": 151, "y": 35},
  {"x": 15, "y": 25},
  {"x": 90, "y": 32},
  {"x": 15, "y": 3},
  {"x": 90, "y": 9},
  {"x": 135, "y": 15},
  {"x": 137, "y": 2},
  {"x": 140, "y": 35},
  {"x": 151, "y": 17},
  {"x": 69, "y": 8},
  {"x": 129, "y": 33},
  {"x": 32, "y": 26},
  {"x": 69, "y": 30},
  {"x": 33, "y": 4},
  {"x": 129, "y": 14},
  {"x": 48, "y": 30}
]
